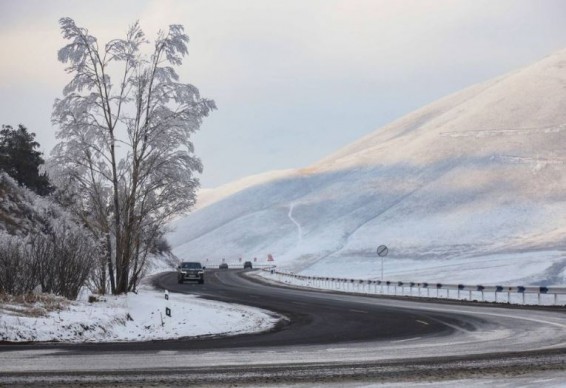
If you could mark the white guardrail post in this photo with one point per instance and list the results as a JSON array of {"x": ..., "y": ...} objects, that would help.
[{"x": 515, "y": 294}]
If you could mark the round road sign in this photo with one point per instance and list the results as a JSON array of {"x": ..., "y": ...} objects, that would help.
[{"x": 382, "y": 251}]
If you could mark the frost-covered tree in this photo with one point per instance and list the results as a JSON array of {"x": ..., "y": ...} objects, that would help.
[{"x": 125, "y": 144}]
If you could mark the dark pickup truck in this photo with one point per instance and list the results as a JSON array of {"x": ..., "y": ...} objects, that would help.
[{"x": 190, "y": 270}]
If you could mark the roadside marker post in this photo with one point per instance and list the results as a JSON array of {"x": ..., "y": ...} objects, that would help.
[{"x": 167, "y": 307}]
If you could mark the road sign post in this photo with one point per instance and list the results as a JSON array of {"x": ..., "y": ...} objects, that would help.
[{"x": 382, "y": 251}]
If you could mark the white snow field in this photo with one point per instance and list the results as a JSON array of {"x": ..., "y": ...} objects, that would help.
[
  {"x": 471, "y": 188},
  {"x": 131, "y": 317}
]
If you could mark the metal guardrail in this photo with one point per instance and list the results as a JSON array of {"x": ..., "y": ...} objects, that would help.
[
  {"x": 235, "y": 265},
  {"x": 494, "y": 293}
]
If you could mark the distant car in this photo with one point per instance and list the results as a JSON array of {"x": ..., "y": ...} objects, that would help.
[
  {"x": 190, "y": 270},
  {"x": 248, "y": 264},
  {"x": 223, "y": 266}
]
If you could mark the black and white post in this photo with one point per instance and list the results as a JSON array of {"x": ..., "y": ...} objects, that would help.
[{"x": 167, "y": 307}]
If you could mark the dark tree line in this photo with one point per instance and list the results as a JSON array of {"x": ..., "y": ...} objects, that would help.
[{"x": 20, "y": 159}]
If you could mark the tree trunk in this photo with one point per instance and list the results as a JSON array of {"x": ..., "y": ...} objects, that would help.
[
  {"x": 135, "y": 272},
  {"x": 102, "y": 289},
  {"x": 121, "y": 260},
  {"x": 110, "y": 266}
]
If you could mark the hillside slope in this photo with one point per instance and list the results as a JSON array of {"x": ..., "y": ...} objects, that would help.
[{"x": 470, "y": 187}]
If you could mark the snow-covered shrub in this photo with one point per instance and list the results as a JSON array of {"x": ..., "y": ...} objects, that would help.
[
  {"x": 43, "y": 245},
  {"x": 17, "y": 215},
  {"x": 17, "y": 273},
  {"x": 63, "y": 257}
]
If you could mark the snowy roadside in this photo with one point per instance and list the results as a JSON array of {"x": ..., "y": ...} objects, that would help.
[{"x": 131, "y": 317}]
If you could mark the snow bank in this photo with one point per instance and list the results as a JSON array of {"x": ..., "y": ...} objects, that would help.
[{"x": 132, "y": 317}]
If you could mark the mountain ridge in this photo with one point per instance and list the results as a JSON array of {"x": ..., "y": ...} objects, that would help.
[{"x": 475, "y": 174}]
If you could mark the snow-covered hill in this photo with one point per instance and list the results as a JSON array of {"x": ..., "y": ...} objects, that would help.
[{"x": 469, "y": 188}]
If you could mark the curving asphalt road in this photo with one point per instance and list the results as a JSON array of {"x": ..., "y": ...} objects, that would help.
[
  {"x": 313, "y": 317},
  {"x": 328, "y": 337}
]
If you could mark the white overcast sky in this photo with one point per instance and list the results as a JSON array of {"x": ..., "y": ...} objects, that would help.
[{"x": 294, "y": 80}]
